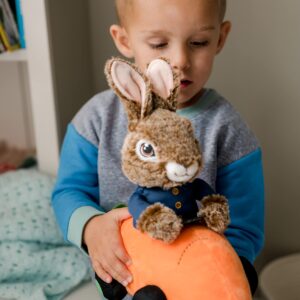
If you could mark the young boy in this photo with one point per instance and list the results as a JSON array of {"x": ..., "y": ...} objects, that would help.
[{"x": 90, "y": 182}]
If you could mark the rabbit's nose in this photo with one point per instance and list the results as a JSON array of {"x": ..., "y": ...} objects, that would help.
[{"x": 179, "y": 173}]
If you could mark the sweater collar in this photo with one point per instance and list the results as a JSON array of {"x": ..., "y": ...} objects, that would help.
[{"x": 203, "y": 102}]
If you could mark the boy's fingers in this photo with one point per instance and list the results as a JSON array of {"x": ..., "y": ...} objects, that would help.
[
  {"x": 122, "y": 213},
  {"x": 101, "y": 272},
  {"x": 123, "y": 256},
  {"x": 118, "y": 271}
]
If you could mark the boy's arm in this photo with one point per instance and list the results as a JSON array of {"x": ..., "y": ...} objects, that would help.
[
  {"x": 75, "y": 198},
  {"x": 243, "y": 184}
]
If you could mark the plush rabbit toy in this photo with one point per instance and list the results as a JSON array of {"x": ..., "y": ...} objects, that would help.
[{"x": 161, "y": 155}]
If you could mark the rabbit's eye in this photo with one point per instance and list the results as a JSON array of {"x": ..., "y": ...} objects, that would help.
[{"x": 147, "y": 150}]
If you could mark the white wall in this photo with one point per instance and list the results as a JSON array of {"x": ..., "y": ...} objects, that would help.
[
  {"x": 259, "y": 72},
  {"x": 101, "y": 16},
  {"x": 71, "y": 57},
  {"x": 16, "y": 127}
]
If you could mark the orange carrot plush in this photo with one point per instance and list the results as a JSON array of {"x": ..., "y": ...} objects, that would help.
[{"x": 199, "y": 264}]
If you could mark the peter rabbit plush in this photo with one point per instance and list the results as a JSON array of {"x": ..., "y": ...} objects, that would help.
[{"x": 161, "y": 155}]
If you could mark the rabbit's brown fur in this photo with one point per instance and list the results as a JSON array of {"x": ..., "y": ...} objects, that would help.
[
  {"x": 173, "y": 137},
  {"x": 215, "y": 212},
  {"x": 152, "y": 118},
  {"x": 168, "y": 226}
]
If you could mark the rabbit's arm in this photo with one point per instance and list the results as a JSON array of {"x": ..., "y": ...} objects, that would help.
[
  {"x": 214, "y": 210},
  {"x": 202, "y": 189},
  {"x": 137, "y": 204}
]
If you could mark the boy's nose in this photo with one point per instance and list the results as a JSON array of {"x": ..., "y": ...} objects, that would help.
[{"x": 181, "y": 60}]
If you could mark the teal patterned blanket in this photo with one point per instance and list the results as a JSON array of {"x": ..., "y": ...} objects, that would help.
[{"x": 35, "y": 262}]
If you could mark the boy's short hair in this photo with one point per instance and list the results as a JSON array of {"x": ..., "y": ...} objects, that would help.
[{"x": 122, "y": 7}]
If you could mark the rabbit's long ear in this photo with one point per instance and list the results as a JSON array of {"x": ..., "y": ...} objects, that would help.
[
  {"x": 165, "y": 83},
  {"x": 131, "y": 86}
]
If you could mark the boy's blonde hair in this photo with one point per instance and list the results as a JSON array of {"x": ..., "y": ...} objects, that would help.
[{"x": 122, "y": 7}]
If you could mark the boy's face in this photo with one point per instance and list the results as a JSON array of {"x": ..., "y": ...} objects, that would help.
[{"x": 189, "y": 33}]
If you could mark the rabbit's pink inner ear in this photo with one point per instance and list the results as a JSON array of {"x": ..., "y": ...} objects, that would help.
[
  {"x": 161, "y": 76},
  {"x": 128, "y": 81}
]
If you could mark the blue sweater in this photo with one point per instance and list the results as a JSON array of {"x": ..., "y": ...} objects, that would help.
[{"x": 90, "y": 179}]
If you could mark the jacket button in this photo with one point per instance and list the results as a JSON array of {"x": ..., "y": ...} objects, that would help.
[
  {"x": 178, "y": 205},
  {"x": 175, "y": 191}
]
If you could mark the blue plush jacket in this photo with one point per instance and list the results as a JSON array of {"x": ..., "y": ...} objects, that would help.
[{"x": 182, "y": 199}]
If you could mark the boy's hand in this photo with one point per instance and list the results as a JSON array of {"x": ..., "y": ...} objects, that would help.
[{"x": 106, "y": 250}]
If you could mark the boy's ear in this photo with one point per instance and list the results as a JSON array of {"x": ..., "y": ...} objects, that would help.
[
  {"x": 120, "y": 38},
  {"x": 224, "y": 32}
]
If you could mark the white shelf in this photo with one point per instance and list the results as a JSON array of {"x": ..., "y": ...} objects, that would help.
[
  {"x": 52, "y": 95},
  {"x": 14, "y": 56}
]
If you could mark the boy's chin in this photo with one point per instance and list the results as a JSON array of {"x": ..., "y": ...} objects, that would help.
[
  {"x": 183, "y": 98},
  {"x": 185, "y": 102}
]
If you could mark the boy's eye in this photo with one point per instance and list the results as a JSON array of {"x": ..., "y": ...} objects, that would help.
[
  {"x": 158, "y": 46},
  {"x": 199, "y": 44}
]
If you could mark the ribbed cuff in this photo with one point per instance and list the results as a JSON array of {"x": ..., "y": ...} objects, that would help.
[{"x": 78, "y": 221}]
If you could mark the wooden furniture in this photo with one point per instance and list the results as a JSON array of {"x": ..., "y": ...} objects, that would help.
[{"x": 43, "y": 86}]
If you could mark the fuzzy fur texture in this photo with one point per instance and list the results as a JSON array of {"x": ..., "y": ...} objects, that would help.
[
  {"x": 157, "y": 121},
  {"x": 215, "y": 212},
  {"x": 172, "y": 138},
  {"x": 171, "y": 102},
  {"x": 160, "y": 222},
  {"x": 134, "y": 109}
]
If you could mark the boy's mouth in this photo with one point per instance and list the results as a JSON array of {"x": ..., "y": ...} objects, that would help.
[{"x": 185, "y": 83}]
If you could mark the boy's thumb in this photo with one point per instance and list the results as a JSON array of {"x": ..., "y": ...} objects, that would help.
[{"x": 122, "y": 213}]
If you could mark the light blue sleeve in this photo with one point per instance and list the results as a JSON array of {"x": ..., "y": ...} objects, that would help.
[
  {"x": 75, "y": 198},
  {"x": 242, "y": 183}
]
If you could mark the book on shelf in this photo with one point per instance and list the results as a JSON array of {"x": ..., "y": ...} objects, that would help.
[
  {"x": 11, "y": 25},
  {"x": 2, "y": 47},
  {"x": 19, "y": 15}
]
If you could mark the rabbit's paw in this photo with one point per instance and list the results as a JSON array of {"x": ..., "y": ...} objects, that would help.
[
  {"x": 215, "y": 212},
  {"x": 160, "y": 222}
]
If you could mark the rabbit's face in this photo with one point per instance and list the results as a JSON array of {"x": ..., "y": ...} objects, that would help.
[
  {"x": 160, "y": 148},
  {"x": 162, "y": 151}
]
